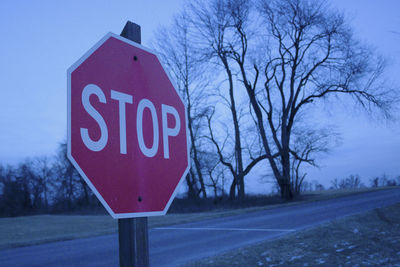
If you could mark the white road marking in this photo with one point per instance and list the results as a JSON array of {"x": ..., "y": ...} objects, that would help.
[{"x": 225, "y": 229}]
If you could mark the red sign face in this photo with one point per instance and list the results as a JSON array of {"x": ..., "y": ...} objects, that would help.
[{"x": 127, "y": 132}]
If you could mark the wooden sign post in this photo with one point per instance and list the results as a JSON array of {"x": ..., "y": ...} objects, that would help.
[{"x": 133, "y": 232}]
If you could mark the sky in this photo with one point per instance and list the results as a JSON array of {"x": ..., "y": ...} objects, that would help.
[{"x": 42, "y": 39}]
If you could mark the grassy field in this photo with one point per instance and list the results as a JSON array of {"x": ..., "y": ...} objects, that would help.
[
  {"x": 30, "y": 230},
  {"x": 369, "y": 239}
]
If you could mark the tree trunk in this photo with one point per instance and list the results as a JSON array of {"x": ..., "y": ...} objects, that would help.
[
  {"x": 193, "y": 141},
  {"x": 241, "y": 192},
  {"x": 232, "y": 191},
  {"x": 196, "y": 161},
  {"x": 192, "y": 192},
  {"x": 286, "y": 189},
  {"x": 46, "y": 202},
  {"x": 238, "y": 180},
  {"x": 70, "y": 190},
  {"x": 85, "y": 191}
]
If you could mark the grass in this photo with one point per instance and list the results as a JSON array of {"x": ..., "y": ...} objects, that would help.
[
  {"x": 368, "y": 239},
  {"x": 31, "y": 230}
]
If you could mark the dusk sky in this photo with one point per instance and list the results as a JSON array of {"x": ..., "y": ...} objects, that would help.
[{"x": 42, "y": 39}]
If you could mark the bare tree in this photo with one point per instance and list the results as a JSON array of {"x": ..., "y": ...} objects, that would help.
[
  {"x": 26, "y": 188},
  {"x": 309, "y": 144},
  {"x": 37, "y": 173},
  {"x": 374, "y": 182},
  {"x": 177, "y": 53},
  {"x": 70, "y": 187},
  {"x": 216, "y": 41},
  {"x": 310, "y": 54},
  {"x": 384, "y": 180},
  {"x": 15, "y": 196},
  {"x": 226, "y": 160},
  {"x": 43, "y": 174},
  {"x": 25, "y": 174},
  {"x": 215, "y": 173}
]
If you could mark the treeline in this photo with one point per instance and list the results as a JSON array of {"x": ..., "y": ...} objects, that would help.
[
  {"x": 43, "y": 185},
  {"x": 350, "y": 182},
  {"x": 52, "y": 185}
]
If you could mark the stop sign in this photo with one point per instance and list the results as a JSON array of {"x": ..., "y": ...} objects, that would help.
[{"x": 127, "y": 132}]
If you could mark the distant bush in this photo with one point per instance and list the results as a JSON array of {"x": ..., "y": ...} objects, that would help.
[
  {"x": 312, "y": 186},
  {"x": 351, "y": 182},
  {"x": 384, "y": 181}
]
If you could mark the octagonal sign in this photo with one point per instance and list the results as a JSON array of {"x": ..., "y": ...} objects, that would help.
[{"x": 127, "y": 133}]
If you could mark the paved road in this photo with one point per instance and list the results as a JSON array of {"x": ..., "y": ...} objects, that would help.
[{"x": 174, "y": 245}]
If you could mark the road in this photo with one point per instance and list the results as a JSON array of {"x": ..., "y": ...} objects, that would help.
[{"x": 178, "y": 244}]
